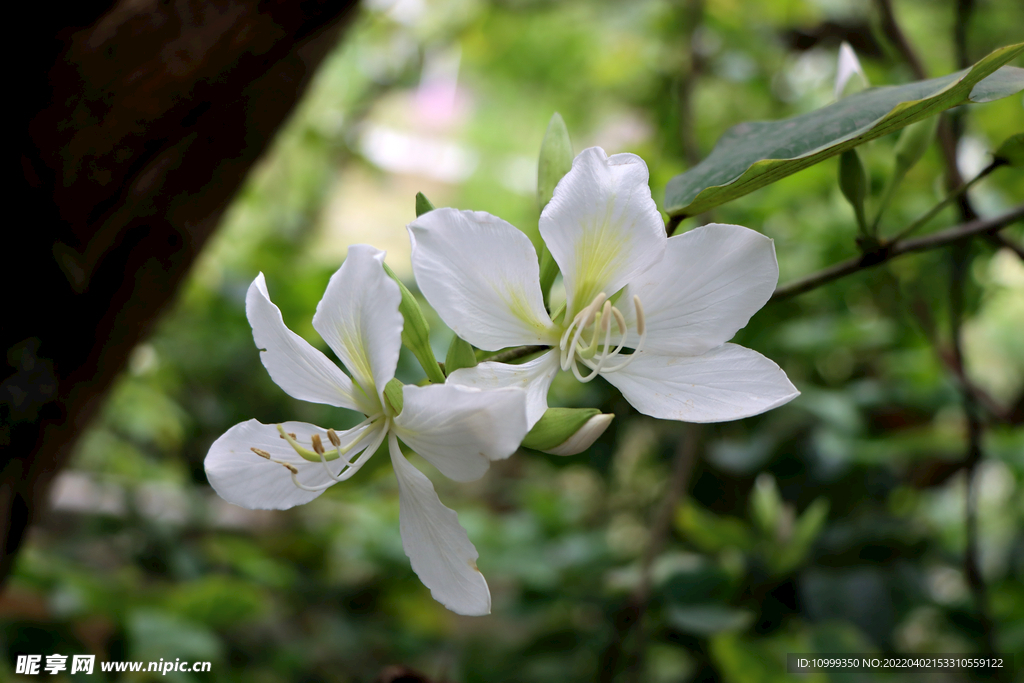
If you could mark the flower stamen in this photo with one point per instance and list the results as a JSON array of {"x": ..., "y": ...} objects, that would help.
[{"x": 596, "y": 355}]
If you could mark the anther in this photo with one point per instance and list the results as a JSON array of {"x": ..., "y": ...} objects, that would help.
[
  {"x": 260, "y": 452},
  {"x": 318, "y": 446},
  {"x": 333, "y": 436},
  {"x": 640, "y": 324}
]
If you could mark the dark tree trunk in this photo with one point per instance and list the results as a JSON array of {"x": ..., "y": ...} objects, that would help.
[{"x": 135, "y": 124}]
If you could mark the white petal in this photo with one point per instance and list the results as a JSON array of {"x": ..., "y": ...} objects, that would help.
[
  {"x": 602, "y": 226},
  {"x": 459, "y": 429},
  {"x": 726, "y": 383},
  {"x": 242, "y": 477},
  {"x": 359, "y": 318},
  {"x": 293, "y": 364},
  {"x": 847, "y": 66},
  {"x": 482, "y": 277},
  {"x": 437, "y": 546},
  {"x": 535, "y": 376},
  {"x": 711, "y": 281}
]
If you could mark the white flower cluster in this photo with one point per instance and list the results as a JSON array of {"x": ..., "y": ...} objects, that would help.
[{"x": 649, "y": 313}]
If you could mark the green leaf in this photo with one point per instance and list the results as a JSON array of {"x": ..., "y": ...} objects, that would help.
[
  {"x": 460, "y": 355},
  {"x": 707, "y": 620},
  {"x": 1011, "y": 152},
  {"x": 766, "y": 504},
  {"x": 709, "y": 532},
  {"x": 758, "y": 153},
  {"x": 416, "y": 332}
]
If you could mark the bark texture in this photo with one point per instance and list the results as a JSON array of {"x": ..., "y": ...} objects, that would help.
[{"x": 135, "y": 124}]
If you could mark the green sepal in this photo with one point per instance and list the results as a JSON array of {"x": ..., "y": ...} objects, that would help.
[
  {"x": 1011, "y": 152},
  {"x": 555, "y": 161},
  {"x": 416, "y": 331},
  {"x": 393, "y": 396},
  {"x": 557, "y": 426},
  {"x": 853, "y": 181},
  {"x": 460, "y": 355},
  {"x": 423, "y": 204}
]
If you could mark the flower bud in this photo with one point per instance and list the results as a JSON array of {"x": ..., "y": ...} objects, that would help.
[
  {"x": 460, "y": 355},
  {"x": 913, "y": 143},
  {"x": 555, "y": 159},
  {"x": 394, "y": 396},
  {"x": 415, "y": 330},
  {"x": 423, "y": 204},
  {"x": 853, "y": 181},
  {"x": 847, "y": 66},
  {"x": 567, "y": 431}
]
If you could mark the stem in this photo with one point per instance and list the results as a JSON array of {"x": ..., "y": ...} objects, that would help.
[
  {"x": 891, "y": 250},
  {"x": 949, "y": 198}
]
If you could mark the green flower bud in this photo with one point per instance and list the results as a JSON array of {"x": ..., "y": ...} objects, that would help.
[
  {"x": 416, "y": 331},
  {"x": 423, "y": 204},
  {"x": 393, "y": 396},
  {"x": 460, "y": 355},
  {"x": 913, "y": 143},
  {"x": 853, "y": 181},
  {"x": 567, "y": 431},
  {"x": 555, "y": 161},
  {"x": 1011, "y": 152}
]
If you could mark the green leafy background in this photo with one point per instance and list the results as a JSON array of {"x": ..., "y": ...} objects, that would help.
[{"x": 833, "y": 524}]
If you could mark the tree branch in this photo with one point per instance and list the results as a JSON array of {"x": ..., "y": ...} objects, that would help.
[
  {"x": 895, "y": 35},
  {"x": 887, "y": 252}
]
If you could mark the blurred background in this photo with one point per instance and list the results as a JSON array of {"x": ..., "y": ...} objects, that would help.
[{"x": 833, "y": 524}]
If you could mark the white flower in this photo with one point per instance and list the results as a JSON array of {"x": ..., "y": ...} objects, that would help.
[
  {"x": 673, "y": 301},
  {"x": 846, "y": 66},
  {"x": 457, "y": 429}
]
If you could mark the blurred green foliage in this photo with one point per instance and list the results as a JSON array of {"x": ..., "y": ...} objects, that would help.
[{"x": 833, "y": 524}]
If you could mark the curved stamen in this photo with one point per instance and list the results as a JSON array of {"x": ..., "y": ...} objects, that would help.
[
  {"x": 342, "y": 451},
  {"x": 582, "y": 320},
  {"x": 367, "y": 452},
  {"x": 641, "y": 328}
]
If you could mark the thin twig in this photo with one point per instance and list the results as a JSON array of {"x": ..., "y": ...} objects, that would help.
[
  {"x": 895, "y": 35},
  {"x": 1004, "y": 242},
  {"x": 949, "y": 199},
  {"x": 887, "y": 252}
]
